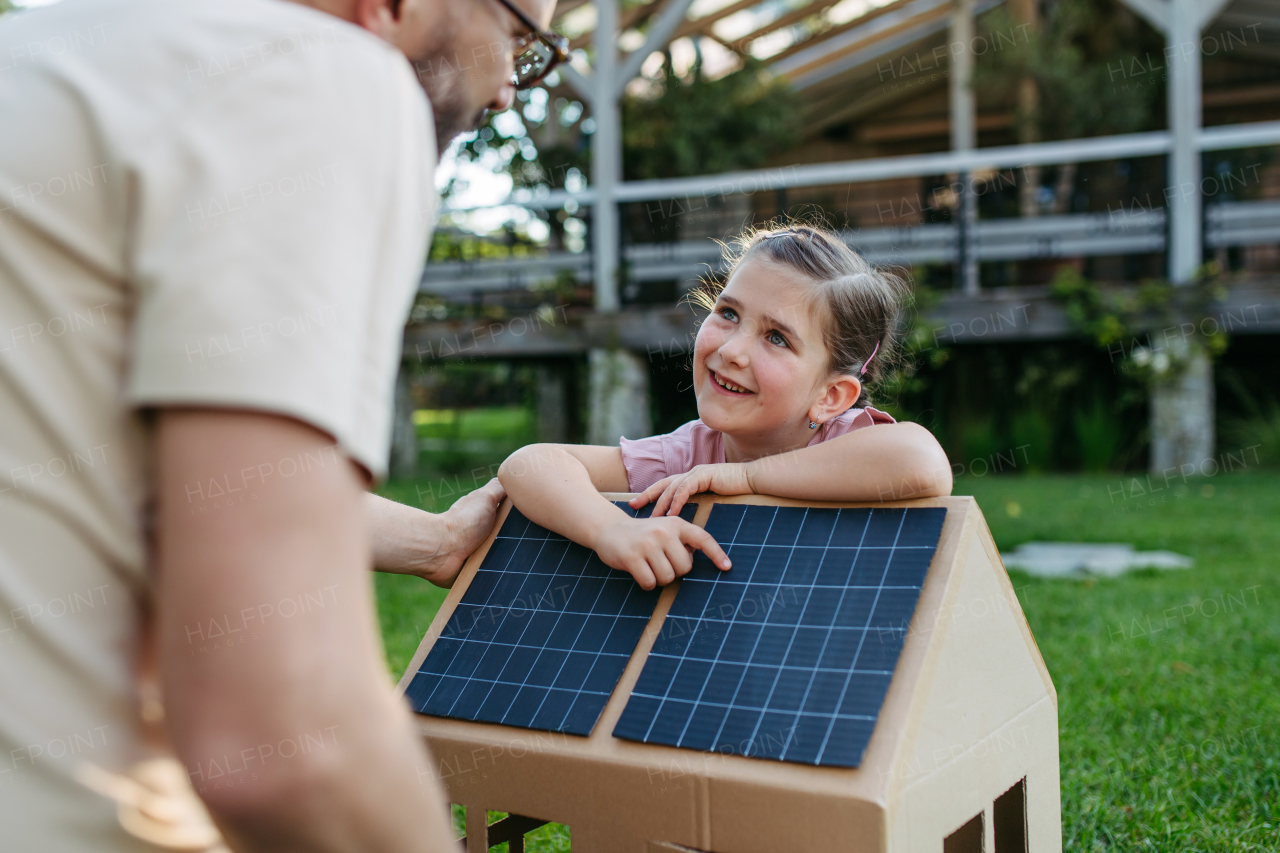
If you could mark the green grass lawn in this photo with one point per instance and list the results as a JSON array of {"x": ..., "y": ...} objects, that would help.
[{"x": 1168, "y": 682}]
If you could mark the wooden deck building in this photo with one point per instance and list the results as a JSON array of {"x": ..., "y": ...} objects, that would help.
[{"x": 897, "y": 146}]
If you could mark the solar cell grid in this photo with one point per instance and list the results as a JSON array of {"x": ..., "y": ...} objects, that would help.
[
  {"x": 787, "y": 656},
  {"x": 539, "y": 638}
]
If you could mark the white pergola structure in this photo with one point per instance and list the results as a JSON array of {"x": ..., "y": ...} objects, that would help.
[
  {"x": 1181, "y": 22},
  {"x": 880, "y": 31},
  {"x": 822, "y": 63}
]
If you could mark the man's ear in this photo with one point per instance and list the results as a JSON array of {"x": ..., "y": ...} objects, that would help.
[
  {"x": 842, "y": 392},
  {"x": 377, "y": 16}
]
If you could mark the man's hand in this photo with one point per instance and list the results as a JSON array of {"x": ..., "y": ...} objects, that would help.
[
  {"x": 433, "y": 547},
  {"x": 466, "y": 523},
  {"x": 656, "y": 551},
  {"x": 726, "y": 478}
]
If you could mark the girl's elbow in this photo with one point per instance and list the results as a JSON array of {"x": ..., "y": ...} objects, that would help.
[
  {"x": 930, "y": 468},
  {"x": 519, "y": 464},
  {"x": 934, "y": 473},
  {"x": 937, "y": 483}
]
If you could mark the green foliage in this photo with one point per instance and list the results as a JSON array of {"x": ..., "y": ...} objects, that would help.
[
  {"x": 702, "y": 126},
  {"x": 979, "y": 440},
  {"x": 552, "y": 838},
  {"x": 406, "y": 606},
  {"x": 1259, "y": 433},
  {"x": 692, "y": 126},
  {"x": 455, "y": 439},
  {"x": 449, "y": 244},
  {"x": 1155, "y": 326},
  {"x": 908, "y": 374},
  {"x": 1099, "y": 438},
  {"x": 1097, "y": 67},
  {"x": 1017, "y": 400},
  {"x": 1258, "y": 430},
  {"x": 1032, "y": 434}
]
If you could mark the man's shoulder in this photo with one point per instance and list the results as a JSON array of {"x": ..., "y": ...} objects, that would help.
[
  {"x": 192, "y": 45},
  {"x": 218, "y": 76}
]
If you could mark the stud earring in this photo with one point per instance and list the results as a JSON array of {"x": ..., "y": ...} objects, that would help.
[{"x": 812, "y": 425}]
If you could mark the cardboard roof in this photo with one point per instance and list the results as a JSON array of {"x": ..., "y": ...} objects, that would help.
[{"x": 708, "y": 799}]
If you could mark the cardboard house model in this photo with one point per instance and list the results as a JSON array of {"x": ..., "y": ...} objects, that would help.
[{"x": 863, "y": 679}]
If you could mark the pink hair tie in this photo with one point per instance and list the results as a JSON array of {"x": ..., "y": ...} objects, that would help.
[{"x": 863, "y": 371}]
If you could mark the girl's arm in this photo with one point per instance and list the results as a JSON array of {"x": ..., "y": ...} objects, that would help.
[
  {"x": 558, "y": 487},
  {"x": 886, "y": 462}
]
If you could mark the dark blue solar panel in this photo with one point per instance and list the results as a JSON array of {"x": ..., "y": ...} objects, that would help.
[
  {"x": 789, "y": 654},
  {"x": 540, "y": 637}
]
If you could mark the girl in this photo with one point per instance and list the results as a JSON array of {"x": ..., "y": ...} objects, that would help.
[{"x": 797, "y": 331}]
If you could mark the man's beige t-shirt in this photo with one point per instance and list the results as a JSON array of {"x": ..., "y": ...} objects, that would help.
[{"x": 221, "y": 203}]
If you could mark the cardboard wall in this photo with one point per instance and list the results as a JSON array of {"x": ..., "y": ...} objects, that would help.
[
  {"x": 963, "y": 678},
  {"x": 989, "y": 715}
]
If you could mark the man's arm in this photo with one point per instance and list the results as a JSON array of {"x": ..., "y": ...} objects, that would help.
[
  {"x": 433, "y": 547},
  {"x": 297, "y": 659}
]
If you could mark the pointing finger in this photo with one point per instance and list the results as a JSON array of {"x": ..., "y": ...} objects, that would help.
[{"x": 704, "y": 541}]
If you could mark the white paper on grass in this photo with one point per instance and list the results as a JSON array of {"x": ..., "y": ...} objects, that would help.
[{"x": 1073, "y": 559}]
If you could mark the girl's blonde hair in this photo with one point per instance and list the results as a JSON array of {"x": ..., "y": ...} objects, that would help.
[{"x": 863, "y": 304}]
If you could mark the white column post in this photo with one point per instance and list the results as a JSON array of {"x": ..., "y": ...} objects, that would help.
[
  {"x": 1182, "y": 428},
  {"x": 606, "y": 157},
  {"x": 618, "y": 396},
  {"x": 553, "y": 403},
  {"x": 404, "y": 433},
  {"x": 963, "y": 123},
  {"x": 964, "y": 136},
  {"x": 618, "y": 380},
  {"x": 1182, "y": 59}
]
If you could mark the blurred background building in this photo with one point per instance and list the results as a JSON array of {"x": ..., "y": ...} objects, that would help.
[{"x": 1085, "y": 194}]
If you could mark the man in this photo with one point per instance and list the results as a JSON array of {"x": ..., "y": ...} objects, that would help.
[{"x": 212, "y": 218}]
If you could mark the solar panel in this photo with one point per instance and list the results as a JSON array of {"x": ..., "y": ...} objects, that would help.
[
  {"x": 788, "y": 655},
  {"x": 540, "y": 637}
]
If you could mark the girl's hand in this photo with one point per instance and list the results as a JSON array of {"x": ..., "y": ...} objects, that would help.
[
  {"x": 726, "y": 478},
  {"x": 656, "y": 550}
]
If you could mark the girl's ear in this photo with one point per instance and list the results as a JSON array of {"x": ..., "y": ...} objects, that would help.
[{"x": 842, "y": 392}]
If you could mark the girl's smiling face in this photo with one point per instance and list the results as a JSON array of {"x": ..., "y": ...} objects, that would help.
[{"x": 760, "y": 367}]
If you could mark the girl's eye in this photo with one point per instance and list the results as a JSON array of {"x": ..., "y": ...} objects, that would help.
[
  {"x": 777, "y": 339},
  {"x": 729, "y": 314}
]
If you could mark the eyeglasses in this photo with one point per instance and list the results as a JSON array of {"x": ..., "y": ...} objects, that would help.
[{"x": 535, "y": 53}]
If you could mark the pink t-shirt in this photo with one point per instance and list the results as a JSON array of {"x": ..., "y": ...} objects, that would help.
[{"x": 648, "y": 460}]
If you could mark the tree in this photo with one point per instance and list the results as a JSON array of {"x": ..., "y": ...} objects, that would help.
[
  {"x": 1098, "y": 70},
  {"x": 700, "y": 126},
  {"x": 692, "y": 126}
]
